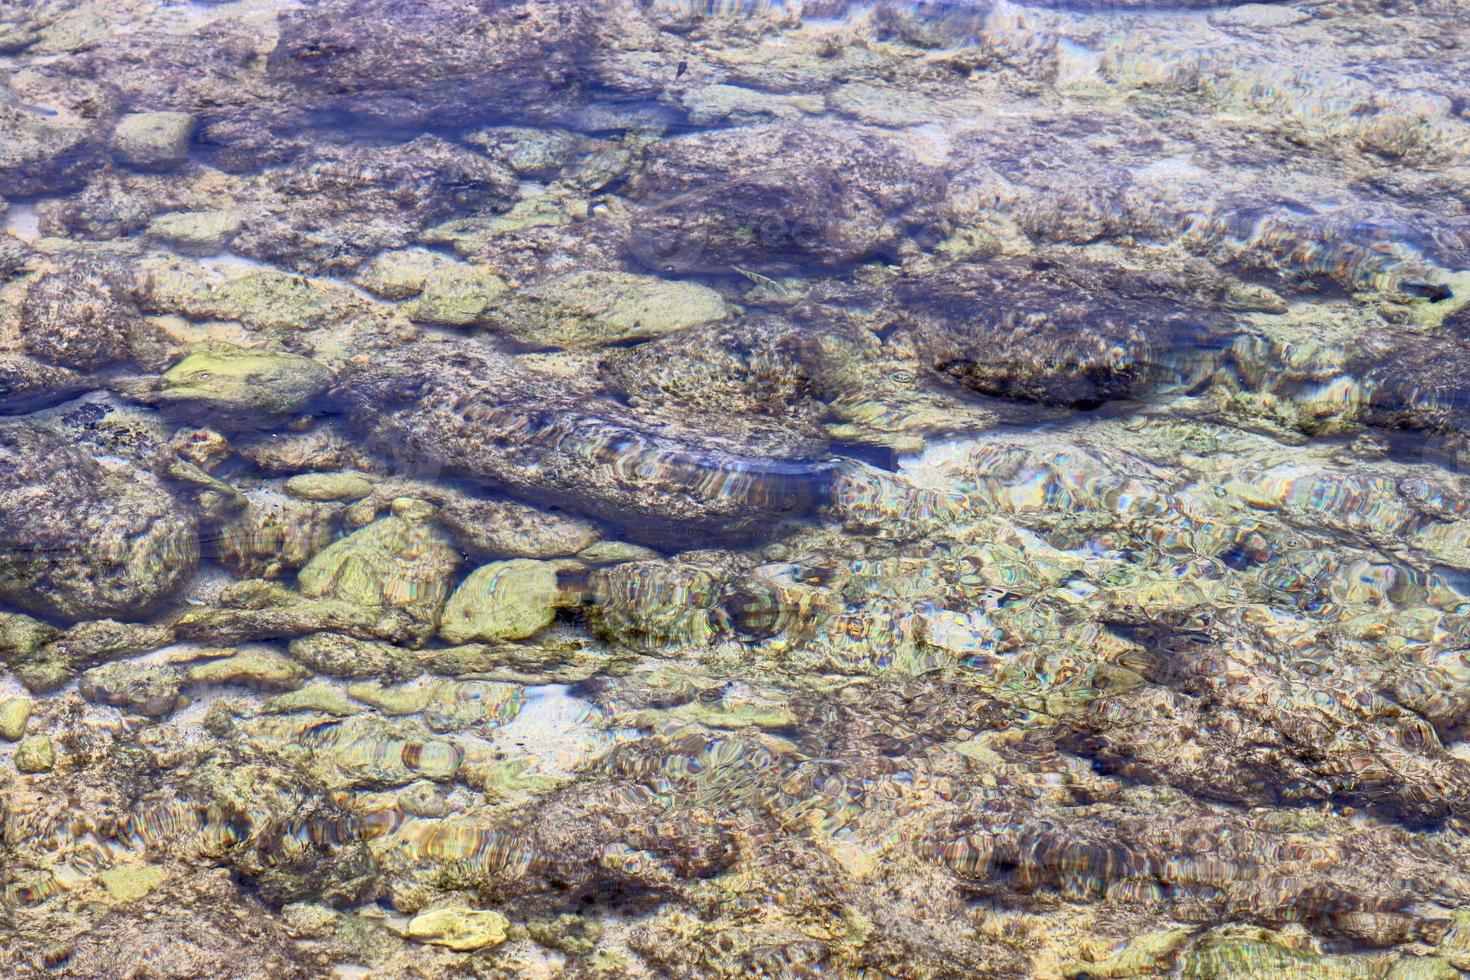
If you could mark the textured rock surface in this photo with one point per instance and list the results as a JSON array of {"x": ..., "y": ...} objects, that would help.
[
  {"x": 534, "y": 488},
  {"x": 83, "y": 541},
  {"x": 75, "y": 317}
]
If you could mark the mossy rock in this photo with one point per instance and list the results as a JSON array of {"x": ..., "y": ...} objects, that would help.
[
  {"x": 235, "y": 387},
  {"x": 595, "y": 308},
  {"x": 505, "y": 600},
  {"x": 459, "y": 929},
  {"x": 401, "y": 562}
]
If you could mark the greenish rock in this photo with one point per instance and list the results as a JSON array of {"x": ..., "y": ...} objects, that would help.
[
  {"x": 505, "y": 600},
  {"x": 14, "y": 713},
  {"x": 595, "y": 308},
  {"x": 363, "y": 750},
  {"x": 456, "y": 295},
  {"x": 233, "y": 387},
  {"x": 402, "y": 562},
  {"x": 463, "y": 930},
  {"x": 1411, "y": 967},
  {"x": 318, "y": 697},
  {"x": 339, "y": 655},
  {"x": 507, "y": 528},
  {"x": 130, "y": 882},
  {"x": 153, "y": 140},
  {"x": 1150, "y": 954},
  {"x": 23, "y": 647},
  {"x": 198, "y": 233},
  {"x": 399, "y": 274},
  {"x": 738, "y": 105},
  {"x": 258, "y": 609},
  {"x": 344, "y": 487},
  {"x": 260, "y": 299},
  {"x": 146, "y": 689},
  {"x": 572, "y": 934},
  {"x": 396, "y": 699},
  {"x": 477, "y": 235},
  {"x": 258, "y": 667},
  {"x": 74, "y": 32},
  {"x": 83, "y": 540},
  {"x": 614, "y": 552},
  {"x": 35, "y": 754}
]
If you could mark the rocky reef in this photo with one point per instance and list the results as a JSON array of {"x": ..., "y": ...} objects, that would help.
[{"x": 533, "y": 488}]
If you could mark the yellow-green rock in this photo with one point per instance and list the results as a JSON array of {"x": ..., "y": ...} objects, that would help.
[
  {"x": 505, "y": 600},
  {"x": 153, "y": 140},
  {"x": 590, "y": 309},
  {"x": 131, "y": 881},
  {"x": 14, "y": 713},
  {"x": 613, "y": 552},
  {"x": 253, "y": 667},
  {"x": 404, "y": 562},
  {"x": 456, "y": 295},
  {"x": 459, "y": 929},
  {"x": 346, "y": 487},
  {"x": 318, "y": 697},
  {"x": 240, "y": 388},
  {"x": 35, "y": 754}
]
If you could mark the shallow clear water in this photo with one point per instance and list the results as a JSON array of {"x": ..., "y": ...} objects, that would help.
[{"x": 658, "y": 489}]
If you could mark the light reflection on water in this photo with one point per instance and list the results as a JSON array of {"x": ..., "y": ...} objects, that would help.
[{"x": 734, "y": 489}]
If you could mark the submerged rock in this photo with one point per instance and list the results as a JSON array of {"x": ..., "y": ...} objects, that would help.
[
  {"x": 14, "y": 713},
  {"x": 76, "y": 317},
  {"x": 781, "y": 199},
  {"x": 45, "y": 149},
  {"x": 1076, "y": 335},
  {"x": 459, "y": 929},
  {"x": 505, "y": 600},
  {"x": 148, "y": 689},
  {"x": 758, "y": 383},
  {"x": 594, "y": 309},
  {"x": 81, "y": 541},
  {"x": 314, "y": 219},
  {"x": 35, "y": 754},
  {"x": 195, "y": 232},
  {"x": 468, "y": 61},
  {"x": 402, "y": 562},
  {"x": 28, "y": 384},
  {"x": 153, "y": 140},
  {"x": 233, "y": 387},
  {"x": 482, "y": 415}
]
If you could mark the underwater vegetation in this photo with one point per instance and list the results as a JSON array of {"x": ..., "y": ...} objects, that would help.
[{"x": 646, "y": 488}]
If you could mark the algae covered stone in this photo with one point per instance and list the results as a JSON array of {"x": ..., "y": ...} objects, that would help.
[
  {"x": 14, "y": 713},
  {"x": 129, "y": 882},
  {"x": 76, "y": 317},
  {"x": 347, "y": 487},
  {"x": 153, "y": 140},
  {"x": 259, "y": 667},
  {"x": 35, "y": 754},
  {"x": 148, "y": 689},
  {"x": 594, "y": 308},
  {"x": 459, "y": 929},
  {"x": 505, "y": 600},
  {"x": 235, "y": 387},
  {"x": 403, "y": 561}
]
